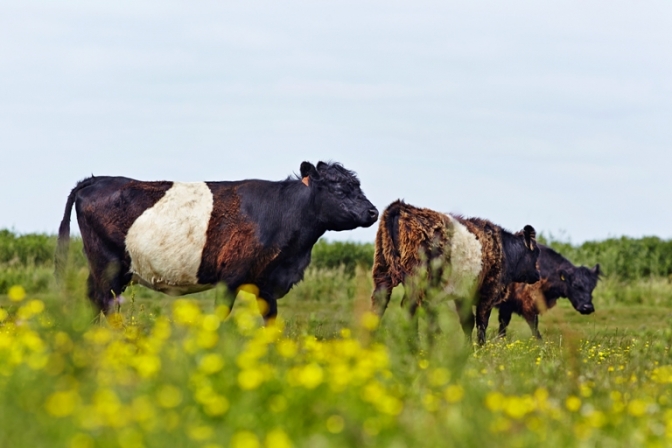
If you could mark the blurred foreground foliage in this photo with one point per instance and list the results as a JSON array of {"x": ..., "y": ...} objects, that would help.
[{"x": 181, "y": 372}]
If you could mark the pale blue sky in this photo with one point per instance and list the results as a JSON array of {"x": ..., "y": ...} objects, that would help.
[{"x": 555, "y": 113}]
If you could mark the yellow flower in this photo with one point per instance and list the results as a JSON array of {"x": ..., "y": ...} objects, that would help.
[
  {"x": 277, "y": 438},
  {"x": 311, "y": 376},
  {"x": 80, "y": 440},
  {"x": 62, "y": 404},
  {"x": 495, "y": 401},
  {"x": 201, "y": 432},
  {"x": 637, "y": 408},
  {"x": 454, "y": 393},
  {"x": 211, "y": 363},
  {"x": 369, "y": 321},
  {"x": 439, "y": 376},
  {"x": 662, "y": 375},
  {"x": 3, "y": 314},
  {"x": 244, "y": 439},
  {"x": 573, "y": 403},
  {"x": 147, "y": 365},
  {"x": 186, "y": 312},
  {"x": 249, "y": 288},
  {"x": 518, "y": 407},
  {"x": 16, "y": 293},
  {"x": 335, "y": 424},
  {"x": 215, "y": 405},
  {"x": 210, "y": 322},
  {"x": 250, "y": 379},
  {"x": 287, "y": 348},
  {"x": 169, "y": 396}
]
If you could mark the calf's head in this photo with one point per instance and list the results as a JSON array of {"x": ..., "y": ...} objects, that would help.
[
  {"x": 579, "y": 284},
  {"x": 522, "y": 253},
  {"x": 339, "y": 200}
]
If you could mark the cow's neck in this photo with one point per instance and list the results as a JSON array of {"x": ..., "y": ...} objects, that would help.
[
  {"x": 511, "y": 252},
  {"x": 306, "y": 230}
]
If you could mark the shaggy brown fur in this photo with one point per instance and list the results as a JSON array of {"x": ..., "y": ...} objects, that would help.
[
  {"x": 409, "y": 236},
  {"x": 528, "y": 301}
]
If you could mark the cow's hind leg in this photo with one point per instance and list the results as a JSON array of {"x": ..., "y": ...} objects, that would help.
[
  {"x": 482, "y": 318},
  {"x": 381, "y": 296},
  {"x": 466, "y": 317},
  {"x": 106, "y": 282}
]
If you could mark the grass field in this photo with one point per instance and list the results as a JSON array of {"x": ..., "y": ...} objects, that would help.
[{"x": 175, "y": 372}]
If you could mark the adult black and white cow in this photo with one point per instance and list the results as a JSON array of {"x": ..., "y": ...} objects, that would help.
[
  {"x": 559, "y": 278},
  {"x": 470, "y": 260},
  {"x": 181, "y": 238}
]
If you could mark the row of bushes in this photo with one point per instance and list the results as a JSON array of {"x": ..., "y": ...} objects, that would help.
[{"x": 623, "y": 258}]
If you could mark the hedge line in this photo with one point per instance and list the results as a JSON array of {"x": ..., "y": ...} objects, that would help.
[{"x": 623, "y": 258}]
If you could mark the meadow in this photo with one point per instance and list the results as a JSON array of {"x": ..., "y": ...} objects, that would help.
[{"x": 165, "y": 371}]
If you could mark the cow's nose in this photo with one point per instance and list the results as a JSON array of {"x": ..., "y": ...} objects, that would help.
[
  {"x": 373, "y": 214},
  {"x": 587, "y": 308}
]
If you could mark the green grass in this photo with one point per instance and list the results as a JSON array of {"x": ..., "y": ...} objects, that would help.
[{"x": 171, "y": 372}]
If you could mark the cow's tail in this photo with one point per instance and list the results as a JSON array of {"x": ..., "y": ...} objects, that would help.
[
  {"x": 61, "y": 259},
  {"x": 387, "y": 251}
]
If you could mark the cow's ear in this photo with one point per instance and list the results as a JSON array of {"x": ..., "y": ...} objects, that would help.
[
  {"x": 308, "y": 171},
  {"x": 563, "y": 275},
  {"x": 597, "y": 271},
  {"x": 530, "y": 237}
]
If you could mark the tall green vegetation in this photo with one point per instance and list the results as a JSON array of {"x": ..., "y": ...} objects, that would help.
[{"x": 28, "y": 260}]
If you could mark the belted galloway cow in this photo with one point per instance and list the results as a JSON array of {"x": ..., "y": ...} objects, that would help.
[
  {"x": 180, "y": 238},
  {"x": 469, "y": 260},
  {"x": 559, "y": 278}
]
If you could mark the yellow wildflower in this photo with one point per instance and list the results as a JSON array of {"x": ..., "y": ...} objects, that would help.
[
  {"x": 169, "y": 396},
  {"x": 573, "y": 403},
  {"x": 244, "y": 439},
  {"x": 63, "y": 403},
  {"x": 335, "y": 424},
  {"x": 277, "y": 438},
  {"x": 16, "y": 293},
  {"x": 454, "y": 393}
]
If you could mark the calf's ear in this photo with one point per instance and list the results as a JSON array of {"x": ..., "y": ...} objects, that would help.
[
  {"x": 597, "y": 271},
  {"x": 530, "y": 237},
  {"x": 308, "y": 171}
]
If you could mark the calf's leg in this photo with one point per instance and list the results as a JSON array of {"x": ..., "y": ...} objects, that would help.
[
  {"x": 505, "y": 313},
  {"x": 533, "y": 322}
]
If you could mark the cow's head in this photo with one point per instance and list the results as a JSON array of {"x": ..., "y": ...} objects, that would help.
[
  {"x": 579, "y": 284},
  {"x": 522, "y": 255},
  {"x": 339, "y": 200}
]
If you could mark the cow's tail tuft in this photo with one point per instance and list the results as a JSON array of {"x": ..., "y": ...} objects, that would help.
[{"x": 61, "y": 259}]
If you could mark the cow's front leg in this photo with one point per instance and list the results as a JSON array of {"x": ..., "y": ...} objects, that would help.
[
  {"x": 482, "y": 317},
  {"x": 268, "y": 307},
  {"x": 225, "y": 298}
]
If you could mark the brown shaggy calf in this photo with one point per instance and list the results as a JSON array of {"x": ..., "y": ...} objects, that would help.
[{"x": 470, "y": 260}]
